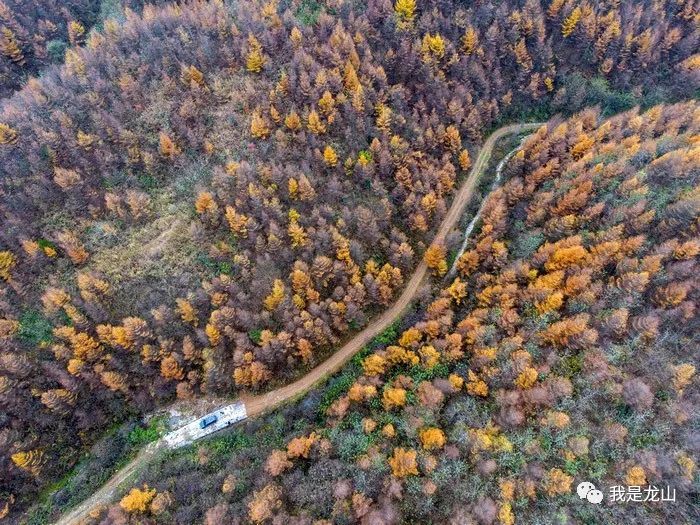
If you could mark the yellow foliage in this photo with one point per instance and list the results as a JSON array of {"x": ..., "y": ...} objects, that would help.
[
  {"x": 507, "y": 488},
  {"x": 8, "y": 328},
  {"x": 205, "y": 203},
  {"x": 476, "y": 386},
  {"x": 549, "y": 84},
  {"x": 410, "y": 337},
  {"x": 556, "y": 419},
  {"x": 326, "y": 103},
  {"x": 374, "y": 365},
  {"x": 74, "y": 62},
  {"x": 54, "y": 299},
  {"x": 457, "y": 290},
  {"x": 557, "y": 482},
  {"x": 8, "y": 135},
  {"x": 566, "y": 257},
  {"x": 91, "y": 287},
  {"x": 171, "y": 369},
  {"x": 687, "y": 250},
  {"x": 238, "y": 222},
  {"x": 399, "y": 355},
  {"x": 393, "y": 397},
  {"x": 187, "y": 312},
  {"x": 138, "y": 499},
  {"x": 583, "y": 144},
  {"x": 297, "y": 233},
  {"x": 292, "y": 121},
  {"x": 301, "y": 447},
  {"x": 636, "y": 476},
  {"x": 191, "y": 76},
  {"x": 66, "y": 179},
  {"x": 358, "y": 392},
  {"x": 30, "y": 461},
  {"x": 74, "y": 366},
  {"x": 403, "y": 463},
  {"x": 682, "y": 375},
  {"x": 405, "y": 13},
  {"x": 527, "y": 378},
  {"x": 350, "y": 80},
  {"x": 505, "y": 514},
  {"x": 7, "y": 262},
  {"x": 432, "y": 438},
  {"x": 84, "y": 347},
  {"x": 213, "y": 334},
  {"x": 489, "y": 439},
  {"x": 570, "y": 22},
  {"x": 432, "y": 47},
  {"x": 485, "y": 353},
  {"x": 304, "y": 349},
  {"x": 168, "y": 148},
  {"x": 560, "y": 332},
  {"x": 296, "y": 36},
  {"x": 313, "y": 122},
  {"x": 383, "y": 121},
  {"x": 276, "y": 296},
  {"x": 255, "y": 60},
  {"x": 456, "y": 381},
  {"x": 470, "y": 41},
  {"x": 292, "y": 187},
  {"x": 76, "y": 32},
  {"x": 330, "y": 156},
  {"x": 465, "y": 161},
  {"x": 252, "y": 374},
  {"x": 687, "y": 465},
  {"x": 435, "y": 259},
  {"x": 429, "y": 356},
  {"x": 428, "y": 203},
  {"x": 258, "y": 127},
  {"x": 550, "y": 303},
  {"x": 368, "y": 425}
]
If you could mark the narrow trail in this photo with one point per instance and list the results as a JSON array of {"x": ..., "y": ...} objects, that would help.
[
  {"x": 472, "y": 224},
  {"x": 257, "y": 405}
]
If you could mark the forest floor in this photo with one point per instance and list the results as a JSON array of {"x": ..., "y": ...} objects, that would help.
[{"x": 260, "y": 404}]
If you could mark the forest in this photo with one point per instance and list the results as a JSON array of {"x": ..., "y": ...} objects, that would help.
[
  {"x": 206, "y": 198},
  {"x": 563, "y": 348}
]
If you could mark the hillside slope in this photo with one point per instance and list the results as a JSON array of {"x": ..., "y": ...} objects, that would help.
[
  {"x": 213, "y": 196},
  {"x": 563, "y": 351}
]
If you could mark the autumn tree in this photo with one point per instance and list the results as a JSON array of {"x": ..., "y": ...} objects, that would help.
[
  {"x": 403, "y": 463},
  {"x": 138, "y": 500},
  {"x": 435, "y": 259}
]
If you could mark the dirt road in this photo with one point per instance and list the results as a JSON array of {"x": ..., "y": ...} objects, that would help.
[
  {"x": 266, "y": 402},
  {"x": 257, "y": 405}
]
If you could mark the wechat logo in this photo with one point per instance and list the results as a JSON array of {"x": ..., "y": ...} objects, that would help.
[{"x": 587, "y": 490}]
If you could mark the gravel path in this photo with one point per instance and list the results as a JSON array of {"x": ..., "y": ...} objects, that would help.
[{"x": 256, "y": 405}]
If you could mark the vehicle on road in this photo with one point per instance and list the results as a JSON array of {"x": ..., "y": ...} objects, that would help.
[{"x": 208, "y": 420}]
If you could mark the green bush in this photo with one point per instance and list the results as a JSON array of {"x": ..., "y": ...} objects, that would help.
[
  {"x": 56, "y": 49},
  {"x": 155, "y": 428},
  {"x": 34, "y": 328}
]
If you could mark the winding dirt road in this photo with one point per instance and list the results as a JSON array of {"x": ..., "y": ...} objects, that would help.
[
  {"x": 266, "y": 402},
  {"x": 256, "y": 405}
]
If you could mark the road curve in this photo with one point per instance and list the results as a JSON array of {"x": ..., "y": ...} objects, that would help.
[
  {"x": 256, "y": 405},
  {"x": 268, "y": 401}
]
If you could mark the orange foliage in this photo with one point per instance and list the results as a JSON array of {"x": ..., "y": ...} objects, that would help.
[
  {"x": 435, "y": 259},
  {"x": 403, "y": 463},
  {"x": 432, "y": 438}
]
